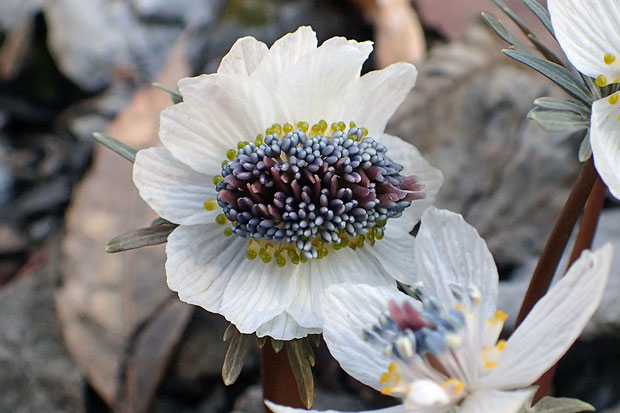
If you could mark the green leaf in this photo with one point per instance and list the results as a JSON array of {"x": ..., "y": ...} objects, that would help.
[
  {"x": 277, "y": 345},
  {"x": 558, "y": 121},
  {"x": 237, "y": 353},
  {"x": 143, "y": 237},
  {"x": 595, "y": 90},
  {"x": 585, "y": 149},
  {"x": 299, "y": 358},
  {"x": 175, "y": 95},
  {"x": 563, "y": 105},
  {"x": 520, "y": 24},
  {"x": 541, "y": 12},
  {"x": 544, "y": 50},
  {"x": 501, "y": 31},
  {"x": 561, "y": 405},
  {"x": 117, "y": 146},
  {"x": 556, "y": 73}
]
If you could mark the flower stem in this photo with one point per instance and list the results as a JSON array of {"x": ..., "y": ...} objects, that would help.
[
  {"x": 587, "y": 228},
  {"x": 556, "y": 243},
  {"x": 279, "y": 384}
]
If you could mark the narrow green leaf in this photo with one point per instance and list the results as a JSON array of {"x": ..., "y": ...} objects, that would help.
[
  {"x": 544, "y": 50},
  {"x": 585, "y": 149},
  {"x": 174, "y": 93},
  {"x": 117, "y": 146},
  {"x": 561, "y": 405},
  {"x": 309, "y": 351},
  {"x": 501, "y": 31},
  {"x": 261, "y": 341},
  {"x": 315, "y": 339},
  {"x": 231, "y": 331},
  {"x": 541, "y": 12},
  {"x": 236, "y": 355},
  {"x": 508, "y": 11},
  {"x": 556, "y": 73},
  {"x": 558, "y": 121},
  {"x": 277, "y": 345},
  {"x": 301, "y": 367},
  {"x": 140, "y": 238},
  {"x": 595, "y": 90},
  {"x": 563, "y": 105}
]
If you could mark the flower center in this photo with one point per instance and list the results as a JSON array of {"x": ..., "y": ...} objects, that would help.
[
  {"x": 424, "y": 346},
  {"x": 299, "y": 190}
]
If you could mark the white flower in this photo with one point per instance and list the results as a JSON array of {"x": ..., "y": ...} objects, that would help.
[
  {"x": 266, "y": 226},
  {"x": 589, "y": 34},
  {"x": 444, "y": 351}
]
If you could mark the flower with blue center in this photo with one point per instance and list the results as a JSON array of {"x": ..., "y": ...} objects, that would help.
[
  {"x": 589, "y": 34},
  {"x": 282, "y": 180},
  {"x": 441, "y": 351}
]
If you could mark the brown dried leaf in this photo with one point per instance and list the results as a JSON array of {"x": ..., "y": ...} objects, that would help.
[
  {"x": 107, "y": 298},
  {"x": 139, "y": 238},
  {"x": 301, "y": 357},
  {"x": 151, "y": 352}
]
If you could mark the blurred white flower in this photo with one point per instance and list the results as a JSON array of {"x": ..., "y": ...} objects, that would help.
[
  {"x": 442, "y": 351},
  {"x": 589, "y": 34},
  {"x": 276, "y": 196}
]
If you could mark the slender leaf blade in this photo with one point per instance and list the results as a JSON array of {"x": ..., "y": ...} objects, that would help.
[
  {"x": 236, "y": 355},
  {"x": 558, "y": 121},
  {"x": 554, "y": 72},
  {"x": 541, "y": 12},
  {"x": 143, "y": 237},
  {"x": 300, "y": 365},
  {"x": 116, "y": 146}
]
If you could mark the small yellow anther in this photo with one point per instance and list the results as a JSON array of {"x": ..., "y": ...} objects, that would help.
[
  {"x": 323, "y": 125},
  {"x": 224, "y": 163},
  {"x": 501, "y": 345},
  {"x": 228, "y": 232},
  {"x": 221, "y": 219},
  {"x": 393, "y": 368},
  {"x": 231, "y": 154},
  {"x": 379, "y": 235},
  {"x": 609, "y": 59},
  {"x": 264, "y": 255},
  {"x": 387, "y": 390},
  {"x": 303, "y": 126},
  {"x": 601, "y": 81},
  {"x": 385, "y": 378},
  {"x": 490, "y": 365},
  {"x": 217, "y": 179},
  {"x": 252, "y": 254},
  {"x": 364, "y": 132},
  {"x": 500, "y": 315},
  {"x": 613, "y": 99},
  {"x": 334, "y": 127},
  {"x": 259, "y": 140},
  {"x": 210, "y": 205},
  {"x": 276, "y": 128},
  {"x": 241, "y": 144},
  {"x": 342, "y": 126},
  {"x": 351, "y": 125},
  {"x": 287, "y": 128}
]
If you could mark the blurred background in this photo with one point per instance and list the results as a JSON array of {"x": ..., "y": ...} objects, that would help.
[{"x": 85, "y": 331}]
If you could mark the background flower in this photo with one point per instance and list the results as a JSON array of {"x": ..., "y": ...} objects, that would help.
[
  {"x": 444, "y": 351},
  {"x": 589, "y": 35},
  {"x": 262, "y": 113}
]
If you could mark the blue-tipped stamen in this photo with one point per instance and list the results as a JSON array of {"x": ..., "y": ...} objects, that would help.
[{"x": 308, "y": 192}]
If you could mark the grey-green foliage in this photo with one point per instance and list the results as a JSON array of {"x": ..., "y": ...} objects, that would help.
[
  {"x": 558, "y": 405},
  {"x": 552, "y": 114}
]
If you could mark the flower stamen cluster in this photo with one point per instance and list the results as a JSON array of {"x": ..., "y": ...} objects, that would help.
[{"x": 296, "y": 191}]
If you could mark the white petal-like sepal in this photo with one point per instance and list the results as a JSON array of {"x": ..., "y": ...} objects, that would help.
[
  {"x": 348, "y": 309},
  {"x": 554, "y": 323},
  {"x": 605, "y": 140},
  {"x": 243, "y": 58},
  {"x": 175, "y": 191},
  {"x": 497, "y": 401},
  {"x": 449, "y": 251},
  {"x": 589, "y": 34}
]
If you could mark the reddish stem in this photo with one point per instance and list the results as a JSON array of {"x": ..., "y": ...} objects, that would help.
[
  {"x": 587, "y": 228},
  {"x": 279, "y": 385},
  {"x": 556, "y": 243}
]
